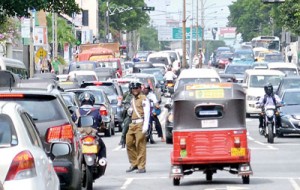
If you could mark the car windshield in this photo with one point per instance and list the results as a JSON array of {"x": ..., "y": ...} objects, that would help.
[
  {"x": 81, "y": 78},
  {"x": 36, "y": 108},
  {"x": 163, "y": 60},
  {"x": 157, "y": 73},
  {"x": 99, "y": 99},
  {"x": 110, "y": 64},
  {"x": 225, "y": 55},
  {"x": 82, "y": 67},
  {"x": 259, "y": 81},
  {"x": 287, "y": 71},
  {"x": 273, "y": 58},
  {"x": 291, "y": 98},
  {"x": 6, "y": 134},
  {"x": 184, "y": 81},
  {"x": 236, "y": 69},
  {"x": 287, "y": 84}
]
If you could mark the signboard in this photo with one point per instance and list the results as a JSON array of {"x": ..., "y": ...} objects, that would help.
[
  {"x": 40, "y": 36},
  {"x": 25, "y": 28},
  {"x": 41, "y": 53},
  {"x": 227, "y": 32},
  {"x": 177, "y": 33}
]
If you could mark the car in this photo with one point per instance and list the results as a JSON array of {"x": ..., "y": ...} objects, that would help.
[
  {"x": 202, "y": 75},
  {"x": 106, "y": 110},
  {"x": 158, "y": 74},
  {"x": 115, "y": 95},
  {"x": 147, "y": 79},
  {"x": 253, "y": 84},
  {"x": 260, "y": 65},
  {"x": 169, "y": 121},
  {"x": 273, "y": 57},
  {"x": 289, "y": 69},
  {"x": 24, "y": 162},
  {"x": 80, "y": 76},
  {"x": 176, "y": 64},
  {"x": 83, "y": 66},
  {"x": 128, "y": 67},
  {"x": 123, "y": 83},
  {"x": 290, "y": 112},
  {"x": 161, "y": 57},
  {"x": 237, "y": 70},
  {"x": 71, "y": 101},
  {"x": 287, "y": 83},
  {"x": 141, "y": 65},
  {"x": 105, "y": 73},
  {"x": 223, "y": 59},
  {"x": 141, "y": 56},
  {"x": 54, "y": 122},
  {"x": 114, "y": 63}
]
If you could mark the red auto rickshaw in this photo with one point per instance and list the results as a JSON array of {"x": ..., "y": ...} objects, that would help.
[{"x": 209, "y": 132}]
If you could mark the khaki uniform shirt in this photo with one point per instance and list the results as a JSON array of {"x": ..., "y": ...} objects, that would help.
[{"x": 139, "y": 106}]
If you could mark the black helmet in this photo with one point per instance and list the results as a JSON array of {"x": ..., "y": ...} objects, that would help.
[
  {"x": 268, "y": 89},
  {"x": 147, "y": 86},
  {"x": 135, "y": 85},
  {"x": 87, "y": 98}
]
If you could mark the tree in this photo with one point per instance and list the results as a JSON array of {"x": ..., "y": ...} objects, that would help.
[
  {"x": 20, "y": 7},
  {"x": 290, "y": 15},
  {"x": 9, "y": 30},
  {"x": 251, "y": 17},
  {"x": 64, "y": 31},
  {"x": 148, "y": 39}
]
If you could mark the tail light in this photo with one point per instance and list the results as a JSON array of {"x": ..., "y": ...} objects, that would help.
[
  {"x": 237, "y": 142},
  {"x": 120, "y": 98},
  {"x": 88, "y": 140},
  {"x": 62, "y": 132},
  {"x": 103, "y": 111},
  {"x": 22, "y": 167},
  {"x": 182, "y": 143},
  {"x": 60, "y": 169}
]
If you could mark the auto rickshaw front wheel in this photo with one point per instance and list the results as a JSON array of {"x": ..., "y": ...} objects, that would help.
[
  {"x": 176, "y": 181},
  {"x": 209, "y": 175},
  {"x": 246, "y": 179}
]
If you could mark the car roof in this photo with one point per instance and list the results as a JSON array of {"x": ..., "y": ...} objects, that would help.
[
  {"x": 34, "y": 91},
  {"x": 281, "y": 65},
  {"x": 199, "y": 73},
  {"x": 82, "y": 72},
  {"x": 292, "y": 90},
  {"x": 264, "y": 72}
]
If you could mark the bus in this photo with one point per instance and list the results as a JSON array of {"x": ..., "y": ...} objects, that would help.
[
  {"x": 269, "y": 42},
  {"x": 15, "y": 66}
]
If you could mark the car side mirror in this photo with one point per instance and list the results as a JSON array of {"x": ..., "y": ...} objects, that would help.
[
  {"x": 59, "y": 149},
  {"x": 244, "y": 85},
  {"x": 72, "y": 109}
]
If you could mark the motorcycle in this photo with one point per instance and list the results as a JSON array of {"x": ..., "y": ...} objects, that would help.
[
  {"x": 92, "y": 166},
  {"x": 169, "y": 89}
]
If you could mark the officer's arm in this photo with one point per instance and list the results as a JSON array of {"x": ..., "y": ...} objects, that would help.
[{"x": 146, "y": 108}]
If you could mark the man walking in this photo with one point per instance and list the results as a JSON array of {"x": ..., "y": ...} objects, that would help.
[
  {"x": 55, "y": 65},
  {"x": 136, "y": 135}
]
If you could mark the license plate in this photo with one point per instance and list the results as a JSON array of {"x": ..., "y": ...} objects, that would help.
[
  {"x": 238, "y": 151},
  {"x": 209, "y": 123},
  {"x": 89, "y": 149}
]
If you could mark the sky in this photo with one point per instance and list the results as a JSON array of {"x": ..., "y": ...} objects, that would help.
[{"x": 215, "y": 11}]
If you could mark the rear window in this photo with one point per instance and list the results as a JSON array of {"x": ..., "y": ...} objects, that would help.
[
  {"x": 7, "y": 131},
  {"x": 109, "y": 90},
  {"x": 42, "y": 110},
  {"x": 99, "y": 99},
  {"x": 110, "y": 64},
  {"x": 82, "y": 67},
  {"x": 185, "y": 81}
]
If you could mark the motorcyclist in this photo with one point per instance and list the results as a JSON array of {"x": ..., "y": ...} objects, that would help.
[
  {"x": 170, "y": 75},
  {"x": 126, "y": 116},
  {"x": 153, "y": 117},
  {"x": 267, "y": 100},
  {"x": 87, "y": 101}
]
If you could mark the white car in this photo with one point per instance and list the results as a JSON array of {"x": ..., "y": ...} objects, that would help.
[
  {"x": 81, "y": 76},
  {"x": 253, "y": 84},
  {"x": 23, "y": 162}
]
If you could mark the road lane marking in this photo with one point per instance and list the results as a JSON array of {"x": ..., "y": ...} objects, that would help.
[
  {"x": 126, "y": 183},
  {"x": 117, "y": 148},
  {"x": 250, "y": 138},
  {"x": 294, "y": 184}
]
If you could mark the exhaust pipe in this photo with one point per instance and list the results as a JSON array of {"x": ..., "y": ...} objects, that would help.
[{"x": 102, "y": 162}]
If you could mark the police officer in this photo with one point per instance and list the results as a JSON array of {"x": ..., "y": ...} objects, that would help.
[{"x": 136, "y": 135}]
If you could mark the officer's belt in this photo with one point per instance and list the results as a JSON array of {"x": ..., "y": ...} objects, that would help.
[{"x": 135, "y": 121}]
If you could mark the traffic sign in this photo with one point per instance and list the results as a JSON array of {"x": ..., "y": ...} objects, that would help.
[
  {"x": 177, "y": 33},
  {"x": 41, "y": 53}
]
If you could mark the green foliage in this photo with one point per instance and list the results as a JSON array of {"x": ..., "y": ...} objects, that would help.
[
  {"x": 251, "y": 17},
  {"x": 9, "y": 30},
  {"x": 290, "y": 15},
  {"x": 64, "y": 31},
  {"x": 20, "y": 7},
  {"x": 61, "y": 60},
  {"x": 148, "y": 39}
]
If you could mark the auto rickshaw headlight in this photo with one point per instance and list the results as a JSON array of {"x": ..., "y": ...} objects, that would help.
[
  {"x": 170, "y": 118},
  {"x": 237, "y": 142},
  {"x": 182, "y": 143}
]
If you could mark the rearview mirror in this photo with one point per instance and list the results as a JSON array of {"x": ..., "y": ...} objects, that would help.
[
  {"x": 60, "y": 149},
  {"x": 244, "y": 85}
]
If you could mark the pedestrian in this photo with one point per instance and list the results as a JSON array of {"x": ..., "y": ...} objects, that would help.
[
  {"x": 44, "y": 65},
  {"x": 55, "y": 66},
  {"x": 136, "y": 135},
  {"x": 154, "y": 105},
  {"x": 49, "y": 65},
  {"x": 290, "y": 55}
]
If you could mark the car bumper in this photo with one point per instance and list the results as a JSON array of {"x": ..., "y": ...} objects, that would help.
[
  {"x": 289, "y": 126},
  {"x": 69, "y": 176},
  {"x": 251, "y": 109},
  {"x": 35, "y": 183}
]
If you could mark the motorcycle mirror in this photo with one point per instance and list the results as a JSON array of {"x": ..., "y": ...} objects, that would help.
[{"x": 59, "y": 149}]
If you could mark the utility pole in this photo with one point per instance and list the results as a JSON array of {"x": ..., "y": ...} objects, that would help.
[
  {"x": 197, "y": 26},
  {"x": 53, "y": 33},
  {"x": 55, "y": 42},
  {"x": 184, "y": 35},
  {"x": 31, "y": 48},
  {"x": 191, "y": 39},
  {"x": 107, "y": 21},
  {"x": 202, "y": 26}
]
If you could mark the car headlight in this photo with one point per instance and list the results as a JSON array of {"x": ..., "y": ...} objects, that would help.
[
  {"x": 170, "y": 118},
  {"x": 296, "y": 117},
  {"x": 252, "y": 98},
  {"x": 269, "y": 113}
]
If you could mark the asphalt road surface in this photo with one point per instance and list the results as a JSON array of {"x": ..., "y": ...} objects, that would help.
[{"x": 275, "y": 166}]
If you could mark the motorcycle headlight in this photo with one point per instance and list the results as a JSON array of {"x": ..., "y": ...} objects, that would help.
[
  {"x": 251, "y": 98},
  {"x": 270, "y": 113},
  {"x": 171, "y": 118}
]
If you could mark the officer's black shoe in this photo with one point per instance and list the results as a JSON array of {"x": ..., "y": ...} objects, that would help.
[
  {"x": 141, "y": 170},
  {"x": 123, "y": 145},
  {"x": 261, "y": 131},
  {"x": 131, "y": 169},
  {"x": 152, "y": 141}
]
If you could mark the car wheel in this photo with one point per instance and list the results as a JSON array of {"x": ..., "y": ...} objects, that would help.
[
  {"x": 169, "y": 140},
  {"x": 112, "y": 129}
]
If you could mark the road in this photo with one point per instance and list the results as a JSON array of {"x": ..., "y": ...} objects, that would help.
[{"x": 275, "y": 166}]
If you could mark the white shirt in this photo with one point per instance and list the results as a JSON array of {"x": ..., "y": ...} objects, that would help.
[
  {"x": 269, "y": 100},
  {"x": 169, "y": 75},
  {"x": 152, "y": 97}
]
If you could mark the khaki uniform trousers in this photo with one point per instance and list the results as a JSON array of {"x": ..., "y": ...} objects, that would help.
[{"x": 136, "y": 145}]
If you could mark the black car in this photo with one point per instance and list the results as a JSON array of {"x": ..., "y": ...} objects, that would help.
[
  {"x": 115, "y": 95},
  {"x": 53, "y": 122},
  {"x": 106, "y": 110},
  {"x": 237, "y": 70},
  {"x": 290, "y": 112},
  {"x": 289, "y": 82}
]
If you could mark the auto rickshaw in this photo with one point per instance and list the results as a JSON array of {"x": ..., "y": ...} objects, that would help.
[{"x": 209, "y": 132}]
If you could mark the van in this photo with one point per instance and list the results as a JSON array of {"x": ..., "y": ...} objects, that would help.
[
  {"x": 160, "y": 57},
  {"x": 83, "y": 66},
  {"x": 15, "y": 66},
  {"x": 114, "y": 63},
  {"x": 253, "y": 84},
  {"x": 289, "y": 69},
  {"x": 202, "y": 75}
]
